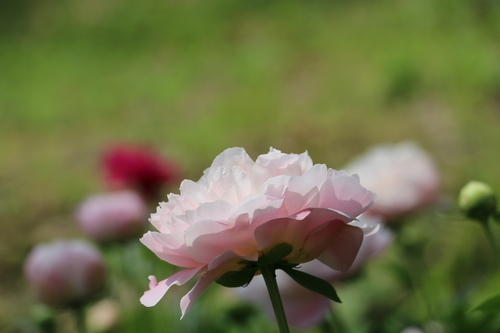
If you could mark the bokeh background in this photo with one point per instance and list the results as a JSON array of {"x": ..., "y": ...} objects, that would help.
[{"x": 192, "y": 78}]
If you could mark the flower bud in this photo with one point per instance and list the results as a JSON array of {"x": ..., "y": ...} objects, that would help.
[
  {"x": 64, "y": 273},
  {"x": 113, "y": 216},
  {"x": 477, "y": 201}
]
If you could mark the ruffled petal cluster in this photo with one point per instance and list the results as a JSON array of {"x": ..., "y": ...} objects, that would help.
[{"x": 240, "y": 209}]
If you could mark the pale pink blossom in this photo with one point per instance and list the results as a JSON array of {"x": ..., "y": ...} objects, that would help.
[
  {"x": 303, "y": 307},
  {"x": 403, "y": 176},
  {"x": 63, "y": 273},
  {"x": 113, "y": 216},
  {"x": 240, "y": 209}
]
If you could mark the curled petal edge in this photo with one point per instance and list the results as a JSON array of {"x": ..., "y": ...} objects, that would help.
[
  {"x": 159, "y": 289},
  {"x": 228, "y": 261}
]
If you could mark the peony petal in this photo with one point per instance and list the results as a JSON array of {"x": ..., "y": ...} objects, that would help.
[
  {"x": 373, "y": 244},
  {"x": 205, "y": 240},
  {"x": 250, "y": 204},
  {"x": 341, "y": 253},
  {"x": 228, "y": 261},
  {"x": 209, "y": 239},
  {"x": 302, "y": 192},
  {"x": 317, "y": 241},
  {"x": 295, "y": 202},
  {"x": 275, "y": 187},
  {"x": 216, "y": 210},
  {"x": 233, "y": 157},
  {"x": 344, "y": 193},
  {"x": 314, "y": 177},
  {"x": 230, "y": 158},
  {"x": 277, "y": 163},
  {"x": 266, "y": 213},
  {"x": 199, "y": 288},
  {"x": 170, "y": 248},
  {"x": 158, "y": 290},
  {"x": 295, "y": 230},
  {"x": 195, "y": 191}
]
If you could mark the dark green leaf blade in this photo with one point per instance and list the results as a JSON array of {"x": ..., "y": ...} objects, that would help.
[
  {"x": 312, "y": 283},
  {"x": 491, "y": 305},
  {"x": 234, "y": 279},
  {"x": 496, "y": 216}
]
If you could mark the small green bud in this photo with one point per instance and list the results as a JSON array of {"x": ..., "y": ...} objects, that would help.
[{"x": 477, "y": 201}]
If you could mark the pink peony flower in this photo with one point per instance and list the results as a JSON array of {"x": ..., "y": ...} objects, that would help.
[
  {"x": 403, "y": 176},
  {"x": 139, "y": 168},
  {"x": 303, "y": 307},
  {"x": 240, "y": 209},
  {"x": 113, "y": 216},
  {"x": 63, "y": 273}
]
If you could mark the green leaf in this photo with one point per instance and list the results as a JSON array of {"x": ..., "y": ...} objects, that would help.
[
  {"x": 496, "y": 216},
  {"x": 277, "y": 253},
  {"x": 312, "y": 283},
  {"x": 234, "y": 279},
  {"x": 491, "y": 305}
]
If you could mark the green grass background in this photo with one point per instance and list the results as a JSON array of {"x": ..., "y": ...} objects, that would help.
[{"x": 192, "y": 78}]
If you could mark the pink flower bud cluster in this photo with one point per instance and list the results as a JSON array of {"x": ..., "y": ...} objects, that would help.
[
  {"x": 112, "y": 216},
  {"x": 65, "y": 273},
  {"x": 136, "y": 176}
]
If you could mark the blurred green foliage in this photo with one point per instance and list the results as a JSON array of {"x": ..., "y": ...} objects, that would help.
[{"x": 193, "y": 77}]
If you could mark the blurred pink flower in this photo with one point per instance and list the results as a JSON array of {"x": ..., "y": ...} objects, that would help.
[
  {"x": 64, "y": 273},
  {"x": 138, "y": 167},
  {"x": 240, "y": 209},
  {"x": 303, "y": 307},
  {"x": 403, "y": 176},
  {"x": 113, "y": 216}
]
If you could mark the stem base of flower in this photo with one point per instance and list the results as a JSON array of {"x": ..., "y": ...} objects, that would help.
[{"x": 269, "y": 275}]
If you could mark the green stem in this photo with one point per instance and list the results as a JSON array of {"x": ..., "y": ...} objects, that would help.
[
  {"x": 491, "y": 239},
  {"x": 268, "y": 273},
  {"x": 79, "y": 312}
]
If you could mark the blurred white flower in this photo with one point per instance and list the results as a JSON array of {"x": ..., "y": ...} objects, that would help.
[{"x": 403, "y": 176}]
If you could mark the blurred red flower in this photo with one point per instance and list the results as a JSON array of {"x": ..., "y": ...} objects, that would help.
[{"x": 138, "y": 167}]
